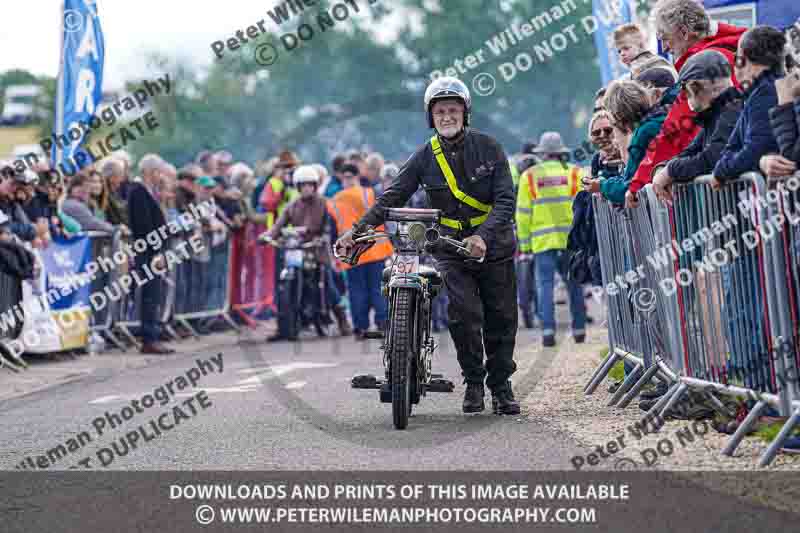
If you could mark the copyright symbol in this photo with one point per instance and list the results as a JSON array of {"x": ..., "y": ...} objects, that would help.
[
  {"x": 644, "y": 300},
  {"x": 204, "y": 514},
  {"x": 625, "y": 464},
  {"x": 73, "y": 20},
  {"x": 266, "y": 54},
  {"x": 484, "y": 84}
]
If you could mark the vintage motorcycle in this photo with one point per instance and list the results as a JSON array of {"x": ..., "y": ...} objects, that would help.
[
  {"x": 408, "y": 346},
  {"x": 302, "y": 284}
]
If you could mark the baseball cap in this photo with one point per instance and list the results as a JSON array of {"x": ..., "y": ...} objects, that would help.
[
  {"x": 206, "y": 181},
  {"x": 705, "y": 65},
  {"x": 657, "y": 77}
]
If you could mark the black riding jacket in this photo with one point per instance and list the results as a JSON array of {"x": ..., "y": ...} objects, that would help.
[{"x": 481, "y": 170}]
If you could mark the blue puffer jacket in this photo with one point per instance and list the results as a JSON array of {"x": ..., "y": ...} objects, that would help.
[{"x": 752, "y": 137}]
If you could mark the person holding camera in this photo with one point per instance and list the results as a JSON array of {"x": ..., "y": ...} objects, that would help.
[{"x": 13, "y": 183}]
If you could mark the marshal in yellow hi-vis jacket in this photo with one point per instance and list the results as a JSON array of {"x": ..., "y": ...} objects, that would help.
[{"x": 544, "y": 206}]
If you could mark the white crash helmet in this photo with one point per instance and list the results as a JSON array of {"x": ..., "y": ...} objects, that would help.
[
  {"x": 445, "y": 88},
  {"x": 305, "y": 174}
]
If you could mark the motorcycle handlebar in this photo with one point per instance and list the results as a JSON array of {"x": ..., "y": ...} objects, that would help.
[
  {"x": 431, "y": 236},
  {"x": 282, "y": 245}
]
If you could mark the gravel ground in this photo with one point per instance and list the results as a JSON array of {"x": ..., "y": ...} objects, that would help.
[{"x": 559, "y": 403}]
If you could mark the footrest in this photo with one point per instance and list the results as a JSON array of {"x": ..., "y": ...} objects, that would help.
[
  {"x": 440, "y": 385},
  {"x": 366, "y": 381},
  {"x": 373, "y": 335}
]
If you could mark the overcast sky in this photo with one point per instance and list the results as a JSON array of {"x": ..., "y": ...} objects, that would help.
[{"x": 29, "y": 38}]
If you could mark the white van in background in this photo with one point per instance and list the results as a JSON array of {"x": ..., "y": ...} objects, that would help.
[{"x": 21, "y": 105}]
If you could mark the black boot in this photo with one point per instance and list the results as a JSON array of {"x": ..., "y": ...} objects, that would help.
[
  {"x": 503, "y": 401},
  {"x": 473, "y": 398}
]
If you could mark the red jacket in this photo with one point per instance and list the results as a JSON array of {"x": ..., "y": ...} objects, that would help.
[{"x": 679, "y": 127}]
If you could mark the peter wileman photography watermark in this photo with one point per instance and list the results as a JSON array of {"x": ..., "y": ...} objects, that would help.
[
  {"x": 100, "y": 148},
  {"x": 644, "y": 299},
  {"x": 128, "y": 282},
  {"x": 665, "y": 446},
  {"x": 266, "y": 54},
  {"x": 499, "y": 45},
  {"x": 145, "y": 432}
]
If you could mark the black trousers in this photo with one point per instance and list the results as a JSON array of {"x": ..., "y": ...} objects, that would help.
[
  {"x": 482, "y": 313},
  {"x": 150, "y": 303}
]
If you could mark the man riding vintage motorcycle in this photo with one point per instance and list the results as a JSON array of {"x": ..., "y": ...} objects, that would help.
[
  {"x": 466, "y": 175},
  {"x": 309, "y": 211}
]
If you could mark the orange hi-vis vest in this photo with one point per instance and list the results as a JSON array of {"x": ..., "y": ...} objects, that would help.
[{"x": 347, "y": 207}]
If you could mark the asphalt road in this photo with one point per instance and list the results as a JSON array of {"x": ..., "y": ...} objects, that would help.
[{"x": 279, "y": 406}]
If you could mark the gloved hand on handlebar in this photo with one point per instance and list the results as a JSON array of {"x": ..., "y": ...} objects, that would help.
[
  {"x": 476, "y": 246},
  {"x": 344, "y": 245}
]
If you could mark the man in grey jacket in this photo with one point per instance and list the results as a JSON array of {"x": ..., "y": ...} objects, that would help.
[{"x": 76, "y": 206}]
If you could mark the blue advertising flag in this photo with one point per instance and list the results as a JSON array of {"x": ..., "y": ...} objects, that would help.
[
  {"x": 608, "y": 14},
  {"x": 65, "y": 262},
  {"x": 80, "y": 83}
]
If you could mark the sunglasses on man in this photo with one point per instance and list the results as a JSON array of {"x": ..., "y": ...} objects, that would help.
[{"x": 602, "y": 131}]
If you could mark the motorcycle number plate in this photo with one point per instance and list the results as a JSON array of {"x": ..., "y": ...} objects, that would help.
[
  {"x": 294, "y": 258},
  {"x": 406, "y": 264}
]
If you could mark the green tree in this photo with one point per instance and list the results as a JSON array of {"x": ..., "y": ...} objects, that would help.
[{"x": 343, "y": 88}]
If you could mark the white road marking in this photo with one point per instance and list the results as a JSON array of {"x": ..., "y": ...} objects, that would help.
[
  {"x": 278, "y": 370},
  {"x": 244, "y": 385},
  {"x": 107, "y": 399}
]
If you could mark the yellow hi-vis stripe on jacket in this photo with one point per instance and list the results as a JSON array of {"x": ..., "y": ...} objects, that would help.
[
  {"x": 458, "y": 193},
  {"x": 544, "y": 206},
  {"x": 291, "y": 193}
]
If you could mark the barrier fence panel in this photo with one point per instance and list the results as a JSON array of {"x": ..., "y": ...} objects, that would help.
[
  {"x": 642, "y": 321},
  {"x": 624, "y": 333},
  {"x": 722, "y": 281},
  {"x": 203, "y": 285},
  {"x": 784, "y": 210},
  {"x": 125, "y": 312},
  {"x": 253, "y": 274},
  {"x": 104, "y": 311},
  {"x": 714, "y": 294}
]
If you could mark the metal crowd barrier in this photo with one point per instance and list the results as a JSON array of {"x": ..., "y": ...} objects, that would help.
[
  {"x": 104, "y": 246},
  {"x": 714, "y": 300},
  {"x": 640, "y": 324},
  {"x": 253, "y": 274},
  {"x": 203, "y": 286},
  {"x": 126, "y": 311}
]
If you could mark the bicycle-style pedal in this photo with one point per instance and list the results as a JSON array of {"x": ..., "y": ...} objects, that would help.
[
  {"x": 366, "y": 381},
  {"x": 440, "y": 385}
]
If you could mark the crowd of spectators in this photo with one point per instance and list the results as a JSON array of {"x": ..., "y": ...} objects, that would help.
[
  {"x": 729, "y": 104},
  {"x": 39, "y": 205}
]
